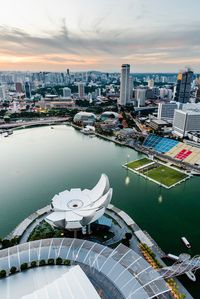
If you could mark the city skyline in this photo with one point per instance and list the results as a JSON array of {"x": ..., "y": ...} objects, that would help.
[{"x": 152, "y": 36}]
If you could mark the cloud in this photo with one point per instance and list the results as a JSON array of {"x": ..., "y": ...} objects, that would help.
[{"x": 100, "y": 46}]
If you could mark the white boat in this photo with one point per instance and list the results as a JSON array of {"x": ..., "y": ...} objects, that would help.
[
  {"x": 88, "y": 130},
  {"x": 173, "y": 257},
  {"x": 186, "y": 242},
  {"x": 191, "y": 275},
  {"x": 195, "y": 172}
]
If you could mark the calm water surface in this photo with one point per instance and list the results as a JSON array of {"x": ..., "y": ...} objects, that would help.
[{"x": 38, "y": 163}]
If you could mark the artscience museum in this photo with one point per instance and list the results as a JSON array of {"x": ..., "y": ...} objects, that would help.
[{"x": 78, "y": 208}]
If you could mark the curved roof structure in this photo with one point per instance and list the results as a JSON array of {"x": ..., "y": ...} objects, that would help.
[
  {"x": 121, "y": 272},
  {"x": 73, "y": 283},
  {"x": 77, "y": 208},
  {"x": 109, "y": 114},
  {"x": 84, "y": 116}
]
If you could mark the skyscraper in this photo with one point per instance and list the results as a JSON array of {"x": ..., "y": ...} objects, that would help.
[
  {"x": 66, "y": 92},
  {"x": 27, "y": 89},
  {"x": 151, "y": 83},
  {"x": 18, "y": 86},
  {"x": 124, "y": 85},
  {"x": 2, "y": 93},
  {"x": 81, "y": 90},
  {"x": 140, "y": 96},
  {"x": 131, "y": 87},
  {"x": 183, "y": 86}
]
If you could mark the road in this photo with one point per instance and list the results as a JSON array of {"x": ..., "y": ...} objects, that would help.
[{"x": 47, "y": 121}]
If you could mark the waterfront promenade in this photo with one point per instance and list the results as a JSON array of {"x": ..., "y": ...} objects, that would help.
[{"x": 146, "y": 151}]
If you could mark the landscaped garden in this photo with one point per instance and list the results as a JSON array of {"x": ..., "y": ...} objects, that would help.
[{"x": 44, "y": 230}]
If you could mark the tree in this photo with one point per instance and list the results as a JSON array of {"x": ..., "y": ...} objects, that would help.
[
  {"x": 67, "y": 262},
  {"x": 59, "y": 261},
  {"x": 13, "y": 270},
  {"x": 126, "y": 242},
  {"x": 5, "y": 243},
  {"x": 24, "y": 266},
  {"x": 51, "y": 262},
  {"x": 128, "y": 236},
  {"x": 33, "y": 264},
  {"x": 2, "y": 273},
  {"x": 42, "y": 263}
]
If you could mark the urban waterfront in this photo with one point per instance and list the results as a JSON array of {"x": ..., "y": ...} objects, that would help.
[{"x": 40, "y": 162}]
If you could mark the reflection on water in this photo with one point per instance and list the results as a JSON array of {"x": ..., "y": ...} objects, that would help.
[
  {"x": 160, "y": 198},
  {"x": 127, "y": 180}
]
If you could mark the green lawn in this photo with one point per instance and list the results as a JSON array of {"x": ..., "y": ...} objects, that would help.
[
  {"x": 165, "y": 175},
  {"x": 138, "y": 163}
]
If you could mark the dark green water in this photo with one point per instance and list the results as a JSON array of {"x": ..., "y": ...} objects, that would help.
[{"x": 37, "y": 163}]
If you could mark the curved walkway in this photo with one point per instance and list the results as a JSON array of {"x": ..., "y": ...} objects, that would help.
[{"x": 128, "y": 272}]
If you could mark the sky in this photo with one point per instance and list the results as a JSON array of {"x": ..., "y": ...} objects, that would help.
[{"x": 53, "y": 35}]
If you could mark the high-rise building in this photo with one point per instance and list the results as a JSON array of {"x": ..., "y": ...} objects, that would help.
[
  {"x": 81, "y": 90},
  {"x": 183, "y": 86},
  {"x": 140, "y": 96},
  {"x": 27, "y": 88},
  {"x": 2, "y": 93},
  {"x": 151, "y": 83},
  {"x": 131, "y": 87},
  {"x": 166, "y": 94},
  {"x": 166, "y": 110},
  {"x": 18, "y": 86},
  {"x": 186, "y": 121},
  {"x": 66, "y": 92},
  {"x": 124, "y": 85},
  {"x": 198, "y": 91}
]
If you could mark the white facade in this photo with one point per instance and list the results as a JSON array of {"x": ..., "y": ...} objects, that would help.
[
  {"x": 166, "y": 110},
  {"x": 73, "y": 284},
  {"x": 124, "y": 85},
  {"x": 166, "y": 93},
  {"x": 75, "y": 209},
  {"x": 131, "y": 88},
  {"x": 66, "y": 92},
  {"x": 140, "y": 95},
  {"x": 185, "y": 121},
  {"x": 85, "y": 117},
  {"x": 151, "y": 83}
]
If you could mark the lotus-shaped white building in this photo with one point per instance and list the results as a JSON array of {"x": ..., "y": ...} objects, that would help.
[{"x": 77, "y": 208}]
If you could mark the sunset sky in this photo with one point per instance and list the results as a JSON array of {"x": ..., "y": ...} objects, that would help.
[{"x": 151, "y": 35}]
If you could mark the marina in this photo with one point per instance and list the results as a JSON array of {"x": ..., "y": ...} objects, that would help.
[{"x": 55, "y": 166}]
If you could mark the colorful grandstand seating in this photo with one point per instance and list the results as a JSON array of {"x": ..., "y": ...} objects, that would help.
[
  {"x": 159, "y": 144},
  {"x": 183, "y": 154}
]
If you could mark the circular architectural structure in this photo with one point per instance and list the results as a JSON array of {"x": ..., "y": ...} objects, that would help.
[
  {"x": 120, "y": 273},
  {"x": 109, "y": 115},
  {"x": 77, "y": 208},
  {"x": 85, "y": 118}
]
